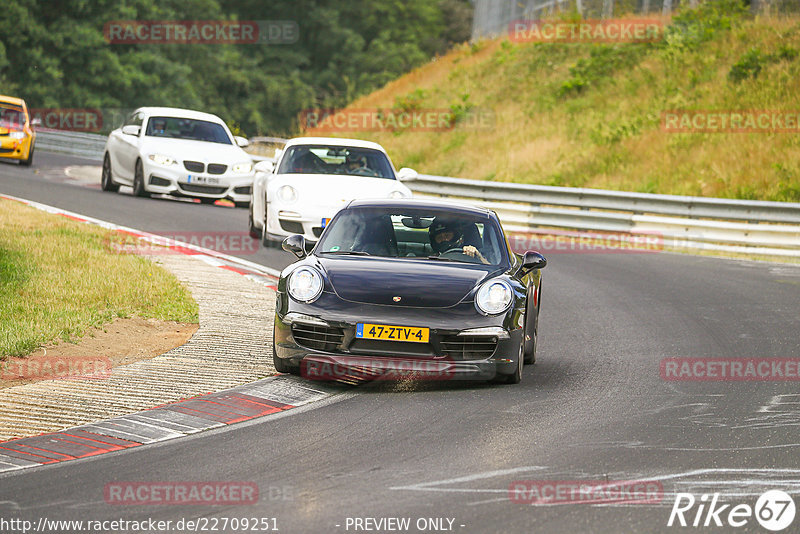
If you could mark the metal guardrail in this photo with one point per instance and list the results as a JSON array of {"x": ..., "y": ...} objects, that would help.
[
  {"x": 746, "y": 226},
  {"x": 679, "y": 206},
  {"x": 86, "y": 145}
]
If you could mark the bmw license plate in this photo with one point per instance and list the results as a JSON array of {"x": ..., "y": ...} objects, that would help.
[
  {"x": 197, "y": 179},
  {"x": 391, "y": 333}
]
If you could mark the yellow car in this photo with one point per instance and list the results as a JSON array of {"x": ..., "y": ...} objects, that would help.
[{"x": 17, "y": 137}]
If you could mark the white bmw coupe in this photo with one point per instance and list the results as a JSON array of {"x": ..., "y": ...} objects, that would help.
[
  {"x": 312, "y": 179},
  {"x": 178, "y": 152}
]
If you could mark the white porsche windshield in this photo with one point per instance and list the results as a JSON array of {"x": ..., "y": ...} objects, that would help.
[{"x": 322, "y": 159}]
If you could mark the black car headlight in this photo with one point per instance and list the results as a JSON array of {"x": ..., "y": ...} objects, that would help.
[
  {"x": 493, "y": 297},
  {"x": 305, "y": 284}
]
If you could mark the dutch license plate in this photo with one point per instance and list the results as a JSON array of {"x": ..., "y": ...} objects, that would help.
[{"x": 391, "y": 333}]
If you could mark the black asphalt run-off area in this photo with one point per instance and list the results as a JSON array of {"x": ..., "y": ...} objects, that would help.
[{"x": 593, "y": 408}]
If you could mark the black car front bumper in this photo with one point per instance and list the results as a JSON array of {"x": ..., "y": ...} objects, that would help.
[{"x": 320, "y": 341}]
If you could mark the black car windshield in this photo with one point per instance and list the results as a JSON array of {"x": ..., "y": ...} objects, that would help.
[
  {"x": 11, "y": 116},
  {"x": 415, "y": 233},
  {"x": 193, "y": 129},
  {"x": 322, "y": 159}
]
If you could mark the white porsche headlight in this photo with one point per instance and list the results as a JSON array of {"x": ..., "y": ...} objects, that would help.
[
  {"x": 161, "y": 159},
  {"x": 396, "y": 194},
  {"x": 243, "y": 168},
  {"x": 287, "y": 194},
  {"x": 493, "y": 297},
  {"x": 17, "y": 135},
  {"x": 305, "y": 284}
]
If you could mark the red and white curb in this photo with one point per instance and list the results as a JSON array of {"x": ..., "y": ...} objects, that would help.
[{"x": 178, "y": 419}]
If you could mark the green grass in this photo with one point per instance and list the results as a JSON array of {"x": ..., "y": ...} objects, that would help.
[
  {"x": 589, "y": 115},
  {"x": 58, "y": 278}
]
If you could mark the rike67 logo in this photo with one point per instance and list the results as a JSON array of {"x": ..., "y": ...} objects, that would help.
[{"x": 774, "y": 510}]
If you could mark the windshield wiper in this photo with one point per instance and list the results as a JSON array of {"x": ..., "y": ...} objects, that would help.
[
  {"x": 347, "y": 252},
  {"x": 439, "y": 258}
]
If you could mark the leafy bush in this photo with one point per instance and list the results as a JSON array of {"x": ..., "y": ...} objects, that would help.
[
  {"x": 748, "y": 66},
  {"x": 410, "y": 102},
  {"x": 460, "y": 109},
  {"x": 752, "y": 61},
  {"x": 691, "y": 27},
  {"x": 603, "y": 61}
]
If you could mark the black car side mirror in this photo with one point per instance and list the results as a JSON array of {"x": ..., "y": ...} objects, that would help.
[
  {"x": 296, "y": 244},
  {"x": 533, "y": 260}
]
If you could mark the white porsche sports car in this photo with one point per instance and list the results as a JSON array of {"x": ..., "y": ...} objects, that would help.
[
  {"x": 178, "y": 152},
  {"x": 312, "y": 179}
]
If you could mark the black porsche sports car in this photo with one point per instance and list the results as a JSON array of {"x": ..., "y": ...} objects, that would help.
[{"x": 408, "y": 288}]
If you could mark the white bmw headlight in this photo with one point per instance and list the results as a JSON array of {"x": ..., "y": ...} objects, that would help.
[
  {"x": 396, "y": 194},
  {"x": 243, "y": 168},
  {"x": 305, "y": 284},
  {"x": 17, "y": 135},
  {"x": 161, "y": 159},
  {"x": 494, "y": 297},
  {"x": 287, "y": 194}
]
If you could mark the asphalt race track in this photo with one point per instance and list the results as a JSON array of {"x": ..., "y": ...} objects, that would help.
[{"x": 594, "y": 408}]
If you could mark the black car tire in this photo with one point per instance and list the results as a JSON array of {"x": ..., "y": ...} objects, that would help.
[
  {"x": 138, "y": 181},
  {"x": 280, "y": 365},
  {"x": 265, "y": 239},
  {"x": 28, "y": 162},
  {"x": 516, "y": 376},
  {"x": 254, "y": 232},
  {"x": 106, "y": 182},
  {"x": 532, "y": 326}
]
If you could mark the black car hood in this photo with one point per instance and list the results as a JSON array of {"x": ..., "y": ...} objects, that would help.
[{"x": 418, "y": 283}]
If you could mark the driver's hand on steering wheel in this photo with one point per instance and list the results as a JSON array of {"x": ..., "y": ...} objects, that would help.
[{"x": 473, "y": 252}]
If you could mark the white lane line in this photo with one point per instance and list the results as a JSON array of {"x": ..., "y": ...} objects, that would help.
[{"x": 425, "y": 486}]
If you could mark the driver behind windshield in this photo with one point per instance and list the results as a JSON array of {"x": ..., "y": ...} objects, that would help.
[
  {"x": 446, "y": 236},
  {"x": 356, "y": 163},
  {"x": 159, "y": 127}
]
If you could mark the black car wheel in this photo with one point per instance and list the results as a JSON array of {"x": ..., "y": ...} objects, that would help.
[
  {"x": 280, "y": 365},
  {"x": 530, "y": 357},
  {"x": 29, "y": 161},
  {"x": 265, "y": 239},
  {"x": 138, "y": 180},
  {"x": 516, "y": 376},
  {"x": 531, "y": 329},
  {"x": 254, "y": 232},
  {"x": 106, "y": 183}
]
